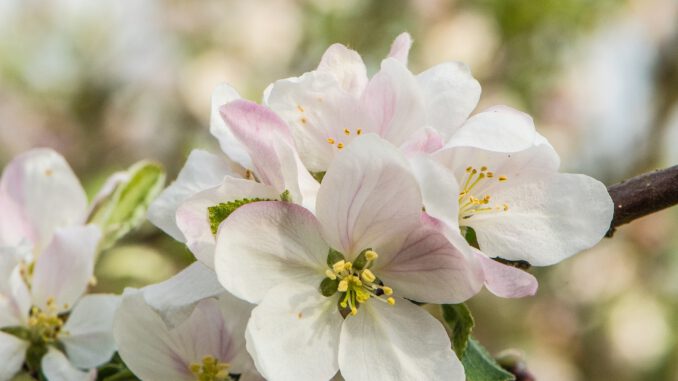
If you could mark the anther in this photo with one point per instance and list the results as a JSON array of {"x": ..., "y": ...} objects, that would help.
[
  {"x": 390, "y": 301},
  {"x": 330, "y": 140},
  {"x": 340, "y": 145},
  {"x": 359, "y": 131},
  {"x": 371, "y": 255},
  {"x": 347, "y": 132},
  {"x": 367, "y": 276},
  {"x": 503, "y": 178}
]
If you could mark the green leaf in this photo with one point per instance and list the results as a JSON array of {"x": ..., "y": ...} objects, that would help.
[
  {"x": 123, "y": 204},
  {"x": 480, "y": 366},
  {"x": 460, "y": 321},
  {"x": 218, "y": 213}
]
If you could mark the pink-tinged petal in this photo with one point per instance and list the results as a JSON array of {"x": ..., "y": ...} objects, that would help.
[
  {"x": 202, "y": 170},
  {"x": 396, "y": 342},
  {"x": 64, "y": 269},
  {"x": 428, "y": 268},
  {"x": 174, "y": 299},
  {"x": 400, "y": 49},
  {"x": 40, "y": 191},
  {"x": 193, "y": 216},
  {"x": 15, "y": 298},
  {"x": 231, "y": 146},
  {"x": 266, "y": 243},
  {"x": 56, "y": 367},
  {"x": 425, "y": 140},
  {"x": 295, "y": 324},
  {"x": 204, "y": 333},
  {"x": 145, "y": 344},
  {"x": 450, "y": 93},
  {"x": 368, "y": 198},
  {"x": 507, "y": 281},
  {"x": 347, "y": 68},
  {"x": 12, "y": 353},
  {"x": 270, "y": 144},
  {"x": 499, "y": 129},
  {"x": 89, "y": 342},
  {"x": 321, "y": 114},
  {"x": 547, "y": 220},
  {"x": 393, "y": 99},
  {"x": 236, "y": 313}
]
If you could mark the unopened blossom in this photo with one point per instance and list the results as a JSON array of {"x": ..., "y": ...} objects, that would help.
[
  {"x": 46, "y": 264},
  {"x": 333, "y": 289},
  {"x": 205, "y": 342},
  {"x": 507, "y": 188},
  {"x": 329, "y": 107}
]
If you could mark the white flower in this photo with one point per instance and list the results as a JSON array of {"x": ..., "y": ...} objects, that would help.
[
  {"x": 329, "y": 107},
  {"x": 498, "y": 176},
  {"x": 204, "y": 341},
  {"x": 46, "y": 265},
  {"x": 367, "y": 252}
]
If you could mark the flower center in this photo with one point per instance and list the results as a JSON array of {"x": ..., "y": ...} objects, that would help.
[
  {"x": 210, "y": 370},
  {"x": 471, "y": 203},
  {"x": 354, "y": 281},
  {"x": 46, "y": 324}
]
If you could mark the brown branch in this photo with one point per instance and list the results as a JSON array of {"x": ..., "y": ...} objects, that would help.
[{"x": 643, "y": 195}]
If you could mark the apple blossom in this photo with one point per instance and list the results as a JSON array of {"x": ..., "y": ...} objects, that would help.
[
  {"x": 329, "y": 107},
  {"x": 206, "y": 344},
  {"x": 332, "y": 290},
  {"x": 499, "y": 177},
  {"x": 46, "y": 263}
]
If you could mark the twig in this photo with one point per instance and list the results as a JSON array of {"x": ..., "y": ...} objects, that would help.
[{"x": 643, "y": 195}]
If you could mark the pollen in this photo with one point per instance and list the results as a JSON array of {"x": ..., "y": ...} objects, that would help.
[
  {"x": 470, "y": 202},
  {"x": 210, "y": 370},
  {"x": 359, "y": 131},
  {"x": 340, "y": 146},
  {"x": 330, "y": 140},
  {"x": 303, "y": 120},
  {"x": 356, "y": 283},
  {"x": 300, "y": 108},
  {"x": 347, "y": 132}
]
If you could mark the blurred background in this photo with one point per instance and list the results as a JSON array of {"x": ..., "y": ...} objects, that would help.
[{"x": 110, "y": 82}]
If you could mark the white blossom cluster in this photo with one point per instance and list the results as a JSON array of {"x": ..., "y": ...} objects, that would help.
[{"x": 338, "y": 207}]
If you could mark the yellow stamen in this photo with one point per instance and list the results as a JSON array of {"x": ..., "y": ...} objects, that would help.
[
  {"x": 359, "y": 131},
  {"x": 371, "y": 255},
  {"x": 367, "y": 276},
  {"x": 503, "y": 178},
  {"x": 347, "y": 132},
  {"x": 390, "y": 301},
  {"x": 330, "y": 140},
  {"x": 340, "y": 145}
]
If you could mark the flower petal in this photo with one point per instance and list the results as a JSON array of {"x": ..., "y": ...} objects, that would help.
[
  {"x": 204, "y": 333},
  {"x": 395, "y": 103},
  {"x": 175, "y": 298},
  {"x": 396, "y": 342},
  {"x": 64, "y": 269},
  {"x": 346, "y": 66},
  {"x": 321, "y": 114},
  {"x": 295, "y": 324},
  {"x": 56, "y": 367},
  {"x": 42, "y": 188},
  {"x": 202, "y": 170},
  {"x": 269, "y": 142},
  {"x": 450, "y": 93},
  {"x": 265, "y": 243},
  {"x": 145, "y": 344},
  {"x": 368, "y": 198},
  {"x": 89, "y": 342},
  {"x": 507, "y": 281},
  {"x": 429, "y": 269},
  {"x": 12, "y": 353},
  {"x": 425, "y": 140},
  {"x": 193, "y": 217},
  {"x": 400, "y": 49},
  {"x": 15, "y": 298},
  {"x": 439, "y": 190},
  {"x": 231, "y": 146},
  {"x": 499, "y": 129},
  {"x": 236, "y": 313},
  {"x": 547, "y": 220}
]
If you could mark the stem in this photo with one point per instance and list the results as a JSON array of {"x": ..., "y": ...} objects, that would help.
[{"x": 643, "y": 195}]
